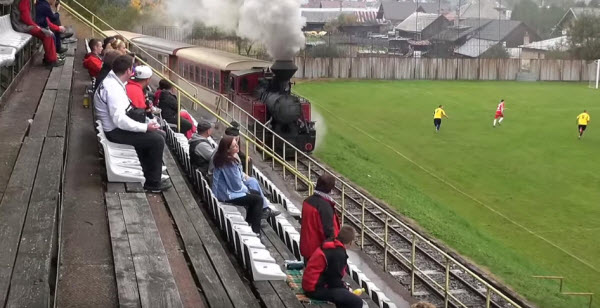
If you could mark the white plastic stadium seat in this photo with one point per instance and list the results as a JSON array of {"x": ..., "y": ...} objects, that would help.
[
  {"x": 7, "y": 56},
  {"x": 10, "y": 37}
]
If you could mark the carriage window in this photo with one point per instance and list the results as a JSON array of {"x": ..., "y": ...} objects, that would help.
[
  {"x": 180, "y": 68},
  {"x": 217, "y": 82},
  {"x": 193, "y": 72},
  {"x": 244, "y": 85},
  {"x": 197, "y": 74},
  {"x": 210, "y": 80},
  {"x": 203, "y": 81}
]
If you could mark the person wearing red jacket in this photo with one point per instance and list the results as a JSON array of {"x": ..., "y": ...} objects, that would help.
[
  {"x": 92, "y": 61},
  {"x": 319, "y": 220},
  {"x": 135, "y": 87},
  {"x": 322, "y": 278},
  {"x": 21, "y": 20}
]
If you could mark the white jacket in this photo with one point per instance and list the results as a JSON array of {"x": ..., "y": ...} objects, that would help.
[{"x": 111, "y": 104}]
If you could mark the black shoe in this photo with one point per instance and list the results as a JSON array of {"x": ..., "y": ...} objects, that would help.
[
  {"x": 164, "y": 185},
  {"x": 62, "y": 50},
  {"x": 57, "y": 63},
  {"x": 67, "y": 34},
  {"x": 268, "y": 212}
]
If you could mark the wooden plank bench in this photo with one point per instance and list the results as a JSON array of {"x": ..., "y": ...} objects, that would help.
[
  {"x": 218, "y": 278},
  {"x": 144, "y": 277}
]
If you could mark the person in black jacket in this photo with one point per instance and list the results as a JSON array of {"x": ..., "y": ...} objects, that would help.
[
  {"x": 327, "y": 266},
  {"x": 167, "y": 102}
]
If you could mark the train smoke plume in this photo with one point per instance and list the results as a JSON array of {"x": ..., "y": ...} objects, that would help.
[{"x": 277, "y": 24}]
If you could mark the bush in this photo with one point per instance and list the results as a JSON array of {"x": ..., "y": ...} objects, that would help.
[{"x": 120, "y": 15}]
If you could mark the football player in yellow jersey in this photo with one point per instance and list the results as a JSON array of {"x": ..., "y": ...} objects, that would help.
[
  {"x": 438, "y": 113},
  {"x": 583, "y": 119}
]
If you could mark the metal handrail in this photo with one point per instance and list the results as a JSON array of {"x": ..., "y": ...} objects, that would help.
[
  {"x": 306, "y": 179},
  {"x": 101, "y": 32},
  {"x": 285, "y": 165}
]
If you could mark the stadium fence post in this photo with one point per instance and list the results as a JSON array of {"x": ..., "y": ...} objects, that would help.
[
  {"x": 296, "y": 166},
  {"x": 412, "y": 264},
  {"x": 597, "y": 73},
  {"x": 488, "y": 297},
  {"x": 447, "y": 286},
  {"x": 179, "y": 113},
  {"x": 273, "y": 150},
  {"x": 385, "y": 244},
  {"x": 362, "y": 227},
  {"x": 283, "y": 159},
  {"x": 343, "y": 200},
  {"x": 247, "y": 158}
]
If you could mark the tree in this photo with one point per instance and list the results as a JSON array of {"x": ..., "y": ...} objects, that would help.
[
  {"x": 496, "y": 52},
  {"x": 584, "y": 37},
  {"x": 542, "y": 19},
  {"x": 342, "y": 20}
]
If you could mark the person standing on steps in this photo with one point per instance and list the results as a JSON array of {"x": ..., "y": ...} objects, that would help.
[{"x": 319, "y": 219}]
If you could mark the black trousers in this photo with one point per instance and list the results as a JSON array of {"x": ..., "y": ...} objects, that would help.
[
  {"x": 185, "y": 124},
  {"x": 149, "y": 148},
  {"x": 341, "y": 297},
  {"x": 253, "y": 203}
]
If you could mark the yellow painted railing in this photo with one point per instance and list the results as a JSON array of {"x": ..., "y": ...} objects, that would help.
[{"x": 285, "y": 165}]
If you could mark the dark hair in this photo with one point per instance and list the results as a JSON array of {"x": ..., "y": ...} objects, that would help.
[
  {"x": 108, "y": 40},
  {"x": 346, "y": 235},
  {"x": 110, "y": 57},
  {"x": 501, "y": 100},
  {"x": 92, "y": 43},
  {"x": 121, "y": 64},
  {"x": 325, "y": 183},
  {"x": 222, "y": 156},
  {"x": 440, "y": 106},
  {"x": 164, "y": 84},
  {"x": 232, "y": 131}
]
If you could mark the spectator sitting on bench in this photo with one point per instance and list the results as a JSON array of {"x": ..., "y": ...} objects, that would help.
[
  {"x": 202, "y": 146},
  {"x": 110, "y": 105},
  {"x": 109, "y": 58},
  {"x": 251, "y": 182},
  {"x": 167, "y": 102},
  {"x": 93, "y": 61},
  {"x": 319, "y": 220},
  {"x": 136, "y": 87},
  {"x": 228, "y": 182},
  {"x": 21, "y": 20},
  {"x": 322, "y": 278},
  {"x": 106, "y": 44},
  {"x": 46, "y": 18},
  {"x": 119, "y": 46}
]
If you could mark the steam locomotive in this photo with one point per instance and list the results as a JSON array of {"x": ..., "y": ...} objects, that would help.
[
  {"x": 261, "y": 89},
  {"x": 267, "y": 96}
]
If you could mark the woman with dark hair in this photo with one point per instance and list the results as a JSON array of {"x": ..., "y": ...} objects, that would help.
[
  {"x": 228, "y": 182},
  {"x": 167, "y": 102}
]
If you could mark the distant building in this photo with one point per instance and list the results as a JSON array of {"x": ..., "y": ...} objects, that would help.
[
  {"x": 539, "y": 49},
  {"x": 571, "y": 16},
  {"x": 474, "y": 37},
  {"x": 486, "y": 9},
  {"x": 421, "y": 26},
  {"x": 366, "y": 19}
]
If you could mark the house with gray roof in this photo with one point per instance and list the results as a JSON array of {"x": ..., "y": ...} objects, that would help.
[{"x": 421, "y": 26}]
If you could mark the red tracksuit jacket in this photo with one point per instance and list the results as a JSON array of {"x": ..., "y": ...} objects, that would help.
[
  {"x": 319, "y": 223},
  {"x": 326, "y": 267}
]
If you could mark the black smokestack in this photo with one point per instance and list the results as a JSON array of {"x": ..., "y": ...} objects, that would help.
[{"x": 283, "y": 71}]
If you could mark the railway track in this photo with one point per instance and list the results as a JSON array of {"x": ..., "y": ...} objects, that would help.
[{"x": 427, "y": 272}]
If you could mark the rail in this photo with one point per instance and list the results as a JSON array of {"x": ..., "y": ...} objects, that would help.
[
  {"x": 560, "y": 288},
  {"x": 265, "y": 150},
  {"x": 233, "y": 112}
]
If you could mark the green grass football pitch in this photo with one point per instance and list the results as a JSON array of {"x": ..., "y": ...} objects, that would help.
[{"x": 521, "y": 199}]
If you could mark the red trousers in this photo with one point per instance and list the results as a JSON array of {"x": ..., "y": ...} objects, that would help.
[{"x": 48, "y": 42}]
